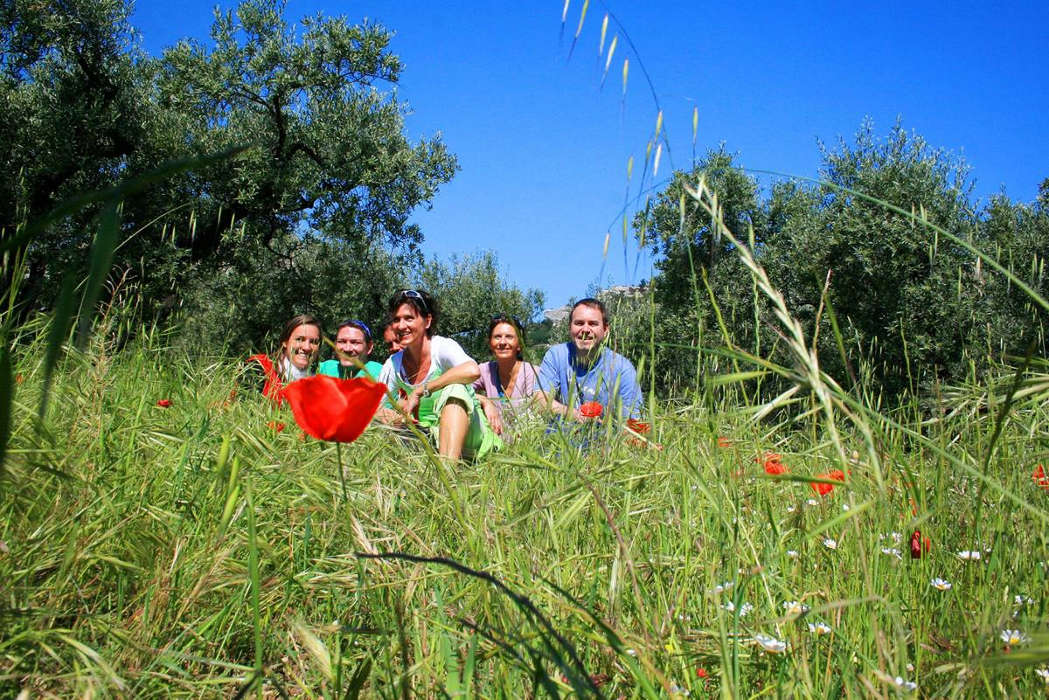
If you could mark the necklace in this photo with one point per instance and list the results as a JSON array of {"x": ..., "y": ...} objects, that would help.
[{"x": 413, "y": 375}]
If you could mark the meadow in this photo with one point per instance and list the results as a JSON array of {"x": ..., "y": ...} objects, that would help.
[{"x": 167, "y": 533}]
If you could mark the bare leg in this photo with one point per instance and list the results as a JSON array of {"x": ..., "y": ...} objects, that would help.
[{"x": 454, "y": 422}]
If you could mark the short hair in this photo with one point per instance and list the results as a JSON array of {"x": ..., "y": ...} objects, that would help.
[
  {"x": 359, "y": 325},
  {"x": 593, "y": 304},
  {"x": 423, "y": 303}
]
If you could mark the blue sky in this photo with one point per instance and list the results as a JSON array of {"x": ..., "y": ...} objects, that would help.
[{"x": 544, "y": 148}]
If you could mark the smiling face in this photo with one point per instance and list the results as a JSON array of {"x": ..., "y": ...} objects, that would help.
[
  {"x": 389, "y": 336},
  {"x": 409, "y": 325},
  {"x": 587, "y": 328},
  {"x": 352, "y": 343},
  {"x": 301, "y": 346},
  {"x": 504, "y": 341}
]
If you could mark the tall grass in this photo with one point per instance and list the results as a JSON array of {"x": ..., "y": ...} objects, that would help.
[{"x": 193, "y": 550}]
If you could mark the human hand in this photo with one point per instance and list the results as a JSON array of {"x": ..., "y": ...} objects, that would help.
[{"x": 494, "y": 416}]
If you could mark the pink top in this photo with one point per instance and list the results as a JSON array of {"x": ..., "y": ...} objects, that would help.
[{"x": 524, "y": 384}]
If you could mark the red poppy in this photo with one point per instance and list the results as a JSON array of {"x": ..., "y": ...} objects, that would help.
[
  {"x": 636, "y": 425},
  {"x": 919, "y": 547},
  {"x": 702, "y": 673},
  {"x": 591, "y": 409},
  {"x": 273, "y": 388},
  {"x": 772, "y": 463},
  {"x": 1039, "y": 477},
  {"x": 334, "y": 409},
  {"x": 276, "y": 426},
  {"x": 164, "y": 403},
  {"x": 724, "y": 442},
  {"x": 824, "y": 489}
]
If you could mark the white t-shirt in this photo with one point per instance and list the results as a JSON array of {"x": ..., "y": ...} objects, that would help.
[{"x": 445, "y": 353}]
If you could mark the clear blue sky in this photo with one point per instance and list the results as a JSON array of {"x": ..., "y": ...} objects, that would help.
[{"x": 544, "y": 149}]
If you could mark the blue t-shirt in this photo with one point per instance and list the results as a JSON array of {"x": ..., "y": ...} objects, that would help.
[{"x": 611, "y": 381}]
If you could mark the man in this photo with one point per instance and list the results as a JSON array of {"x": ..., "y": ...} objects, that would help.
[
  {"x": 389, "y": 336},
  {"x": 353, "y": 342},
  {"x": 583, "y": 370}
]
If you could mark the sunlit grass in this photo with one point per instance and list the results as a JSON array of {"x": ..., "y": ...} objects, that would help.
[{"x": 128, "y": 554}]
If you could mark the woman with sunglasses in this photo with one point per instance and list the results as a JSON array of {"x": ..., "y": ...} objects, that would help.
[
  {"x": 507, "y": 383},
  {"x": 353, "y": 344},
  {"x": 433, "y": 376}
]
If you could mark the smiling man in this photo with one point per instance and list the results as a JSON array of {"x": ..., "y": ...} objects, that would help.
[
  {"x": 353, "y": 343},
  {"x": 583, "y": 370}
]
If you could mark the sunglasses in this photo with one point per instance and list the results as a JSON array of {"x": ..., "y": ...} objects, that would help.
[
  {"x": 359, "y": 325},
  {"x": 413, "y": 294},
  {"x": 512, "y": 320}
]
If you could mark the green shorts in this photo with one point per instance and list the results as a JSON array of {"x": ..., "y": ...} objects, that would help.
[{"x": 480, "y": 438}]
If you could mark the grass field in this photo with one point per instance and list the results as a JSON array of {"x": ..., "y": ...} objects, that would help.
[{"x": 193, "y": 549}]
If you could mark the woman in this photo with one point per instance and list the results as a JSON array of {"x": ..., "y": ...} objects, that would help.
[
  {"x": 507, "y": 383},
  {"x": 299, "y": 342},
  {"x": 432, "y": 376}
]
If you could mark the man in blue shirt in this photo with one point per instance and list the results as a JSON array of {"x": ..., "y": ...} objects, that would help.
[{"x": 583, "y": 370}]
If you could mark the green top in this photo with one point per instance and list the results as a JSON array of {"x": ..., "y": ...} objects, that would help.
[{"x": 333, "y": 368}]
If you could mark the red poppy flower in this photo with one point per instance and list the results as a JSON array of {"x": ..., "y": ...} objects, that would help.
[
  {"x": 273, "y": 388},
  {"x": 918, "y": 546},
  {"x": 1039, "y": 477},
  {"x": 772, "y": 463},
  {"x": 724, "y": 442},
  {"x": 636, "y": 425},
  {"x": 702, "y": 673},
  {"x": 164, "y": 403},
  {"x": 824, "y": 489},
  {"x": 334, "y": 409},
  {"x": 591, "y": 409},
  {"x": 276, "y": 426}
]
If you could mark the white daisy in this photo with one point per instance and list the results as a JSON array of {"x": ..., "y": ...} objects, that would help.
[
  {"x": 902, "y": 684},
  {"x": 892, "y": 552},
  {"x": 1043, "y": 673},
  {"x": 722, "y": 587},
  {"x": 1014, "y": 637},
  {"x": 966, "y": 555},
  {"x": 770, "y": 644},
  {"x": 812, "y": 502},
  {"x": 819, "y": 628},
  {"x": 940, "y": 584},
  {"x": 1022, "y": 600},
  {"x": 795, "y": 609},
  {"x": 792, "y": 553},
  {"x": 830, "y": 543}
]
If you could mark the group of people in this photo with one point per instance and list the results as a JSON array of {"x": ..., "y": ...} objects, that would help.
[{"x": 468, "y": 408}]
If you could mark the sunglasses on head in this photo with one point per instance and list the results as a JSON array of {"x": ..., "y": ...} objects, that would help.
[
  {"x": 512, "y": 320},
  {"x": 359, "y": 325},
  {"x": 413, "y": 294}
]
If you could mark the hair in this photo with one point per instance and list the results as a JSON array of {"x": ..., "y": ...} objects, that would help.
[
  {"x": 592, "y": 303},
  {"x": 359, "y": 325},
  {"x": 505, "y": 318},
  {"x": 423, "y": 303}
]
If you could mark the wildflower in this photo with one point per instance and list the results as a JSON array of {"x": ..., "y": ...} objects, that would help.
[
  {"x": 1039, "y": 477},
  {"x": 273, "y": 389},
  {"x": 276, "y": 426},
  {"x": 744, "y": 609},
  {"x": 892, "y": 551},
  {"x": 940, "y": 584},
  {"x": 1043, "y": 673},
  {"x": 919, "y": 547},
  {"x": 830, "y": 543},
  {"x": 791, "y": 508},
  {"x": 1014, "y": 637},
  {"x": 702, "y": 673},
  {"x": 164, "y": 403},
  {"x": 812, "y": 502},
  {"x": 905, "y": 685},
  {"x": 722, "y": 587},
  {"x": 19, "y": 379},
  {"x": 334, "y": 409},
  {"x": 795, "y": 609},
  {"x": 770, "y": 644},
  {"x": 819, "y": 628},
  {"x": 591, "y": 409},
  {"x": 966, "y": 555},
  {"x": 845, "y": 506},
  {"x": 836, "y": 475},
  {"x": 792, "y": 553},
  {"x": 1022, "y": 600},
  {"x": 677, "y": 690},
  {"x": 724, "y": 442},
  {"x": 772, "y": 463}
]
